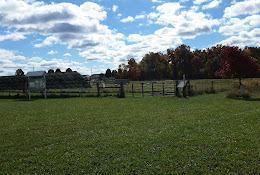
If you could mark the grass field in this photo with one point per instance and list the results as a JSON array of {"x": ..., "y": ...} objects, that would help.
[{"x": 207, "y": 134}]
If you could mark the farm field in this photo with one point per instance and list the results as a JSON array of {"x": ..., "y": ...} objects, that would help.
[{"x": 206, "y": 134}]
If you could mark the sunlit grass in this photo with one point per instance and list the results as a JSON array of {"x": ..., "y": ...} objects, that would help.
[{"x": 207, "y": 134}]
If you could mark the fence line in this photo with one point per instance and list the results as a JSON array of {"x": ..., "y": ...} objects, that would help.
[{"x": 135, "y": 89}]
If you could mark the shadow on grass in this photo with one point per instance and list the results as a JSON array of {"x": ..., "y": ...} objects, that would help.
[
  {"x": 27, "y": 100},
  {"x": 251, "y": 99},
  {"x": 246, "y": 99}
]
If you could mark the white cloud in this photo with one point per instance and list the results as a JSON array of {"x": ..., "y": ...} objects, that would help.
[
  {"x": 62, "y": 23},
  {"x": 52, "y": 52},
  {"x": 10, "y": 55},
  {"x": 139, "y": 16},
  {"x": 67, "y": 55},
  {"x": 131, "y": 19},
  {"x": 8, "y": 62},
  {"x": 212, "y": 4},
  {"x": 233, "y": 26},
  {"x": 244, "y": 39},
  {"x": 114, "y": 8},
  {"x": 247, "y": 7},
  {"x": 119, "y": 15},
  {"x": 12, "y": 36},
  {"x": 48, "y": 41},
  {"x": 35, "y": 59},
  {"x": 158, "y": 1},
  {"x": 198, "y": 2},
  {"x": 187, "y": 24},
  {"x": 128, "y": 19}
]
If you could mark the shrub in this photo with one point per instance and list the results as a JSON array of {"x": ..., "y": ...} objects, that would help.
[{"x": 235, "y": 93}]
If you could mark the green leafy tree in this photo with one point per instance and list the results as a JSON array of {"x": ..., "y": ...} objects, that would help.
[
  {"x": 114, "y": 72},
  {"x": 154, "y": 66},
  {"x": 183, "y": 57},
  {"x": 58, "y": 70},
  {"x": 108, "y": 73},
  {"x": 68, "y": 70},
  {"x": 197, "y": 64},
  {"x": 50, "y": 71}
]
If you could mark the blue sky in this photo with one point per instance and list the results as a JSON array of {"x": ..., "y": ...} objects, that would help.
[{"x": 100, "y": 34}]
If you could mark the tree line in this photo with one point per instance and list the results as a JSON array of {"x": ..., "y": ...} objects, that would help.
[
  {"x": 20, "y": 72},
  {"x": 197, "y": 64}
]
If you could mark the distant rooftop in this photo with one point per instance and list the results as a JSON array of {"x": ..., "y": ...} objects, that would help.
[{"x": 35, "y": 74}]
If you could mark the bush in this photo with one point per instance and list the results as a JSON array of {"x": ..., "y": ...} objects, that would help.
[{"x": 235, "y": 93}]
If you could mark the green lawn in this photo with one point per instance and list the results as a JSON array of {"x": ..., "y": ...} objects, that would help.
[{"x": 207, "y": 134}]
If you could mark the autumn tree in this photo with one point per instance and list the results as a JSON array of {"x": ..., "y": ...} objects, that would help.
[
  {"x": 237, "y": 64},
  {"x": 253, "y": 52},
  {"x": 132, "y": 69},
  {"x": 19, "y": 72},
  {"x": 197, "y": 64},
  {"x": 122, "y": 71}
]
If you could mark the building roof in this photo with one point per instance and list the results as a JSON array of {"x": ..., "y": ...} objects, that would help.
[{"x": 35, "y": 74}]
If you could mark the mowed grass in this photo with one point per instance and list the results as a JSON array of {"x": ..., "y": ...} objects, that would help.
[{"x": 207, "y": 134}]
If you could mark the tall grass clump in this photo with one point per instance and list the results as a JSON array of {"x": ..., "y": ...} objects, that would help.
[{"x": 251, "y": 88}]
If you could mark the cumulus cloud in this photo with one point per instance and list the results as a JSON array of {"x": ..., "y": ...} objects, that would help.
[
  {"x": 12, "y": 36},
  {"x": 198, "y": 2},
  {"x": 128, "y": 19},
  {"x": 232, "y": 26},
  {"x": 248, "y": 7},
  {"x": 158, "y": 1},
  {"x": 212, "y": 4},
  {"x": 63, "y": 23},
  {"x": 52, "y": 52},
  {"x": 186, "y": 23},
  {"x": 114, "y": 8},
  {"x": 7, "y": 59},
  {"x": 48, "y": 41},
  {"x": 9, "y": 64},
  {"x": 67, "y": 55},
  {"x": 139, "y": 16},
  {"x": 10, "y": 55},
  {"x": 35, "y": 59},
  {"x": 244, "y": 38},
  {"x": 183, "y": 1}
]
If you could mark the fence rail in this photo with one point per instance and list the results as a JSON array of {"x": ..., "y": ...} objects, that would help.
[{"x": 135, "y": 89}]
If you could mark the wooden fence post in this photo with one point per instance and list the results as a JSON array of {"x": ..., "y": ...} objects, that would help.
[
  {"x": 152, "y": 90},
  {"x": 184, "y": 91},
  {"x": 163, "y": 90},
  {"x": 98, "y": 90},
  {"x": 122, "y": 92},
  {"x": 133, "y": 90},
  {"x": 143, "y": 89}
]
